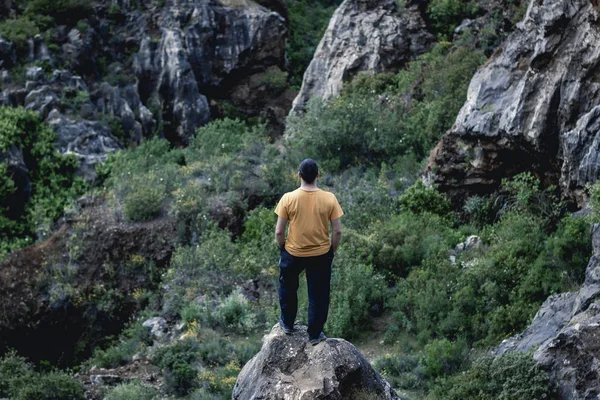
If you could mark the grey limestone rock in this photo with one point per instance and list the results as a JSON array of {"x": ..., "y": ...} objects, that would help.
[
  {"x": 565, "y": 335},
  {"x": 158, "y": 327},
  {"x": 89, "y": 141},
  {"x": 205, "y": 47},
  {"x": 363, "y": 35},
  {"x": 532, "y": 107},
  {"x": 289, "y": 367}
]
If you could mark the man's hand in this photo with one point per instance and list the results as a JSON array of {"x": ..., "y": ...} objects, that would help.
[
  {"x": 280, "y": 231},
  {"x": 336, "y": 236}
]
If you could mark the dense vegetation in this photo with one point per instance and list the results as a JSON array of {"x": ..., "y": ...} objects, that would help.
[
  {"x": 27, "y": 211},
  {"x": 436, "y": 309}
]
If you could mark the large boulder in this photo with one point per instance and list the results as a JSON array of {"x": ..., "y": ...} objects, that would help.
[
  {"x": 289, "y": 367},
  {"x": 363, "y": 35},
  {"x": 566, "y": 334},
  {"x": 532, "y": 107}
]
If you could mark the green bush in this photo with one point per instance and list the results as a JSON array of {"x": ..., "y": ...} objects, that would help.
[
  {"x": 64, "y": 12},
  {"x": 53, "y": 177},
  {"x": 447, "y": 14},
  {"x": 19, "y": 31},
  {"x": 131, "y": 391},
  {"x": 51, "y": 386},
  {"x": 419, "y": 198},
  {"x": 177, "y": 361},
  {"x": 367, "y": 197},
  {"x": 146, "y": 196},
  {"x": 406, "y": 240},
  {"x": 234, "y": 314},
  {"x": 274, "y": 79},
  {"x": 15, "y": 371},
  {"x": 132, "y": 340},
  {"x": 514, "y": 376},
  {"x": 354, "y": 289},
  {"x": 479, "y": 211},
  {"x": 19, "y": 381},
  {"x": 402, "y": 371},
  {"x": 525, "y": 194},
  {"x": 223, "y": 137},
  {"x": 442, "y": 357},
  {"x": 203, "y": 268}
]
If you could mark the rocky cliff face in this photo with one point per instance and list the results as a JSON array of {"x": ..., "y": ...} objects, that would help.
[
  {"x": 566, "y": 333},
  {"x": 289, "y": 367},
  {"x": 132, "y": 70},
  {"x": 363, "y": 35},
  {"x": 533, "y": 106}
]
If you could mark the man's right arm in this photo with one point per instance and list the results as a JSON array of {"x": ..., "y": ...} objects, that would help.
[
  {"x": 280, "y": 232},
  {"x": 336, "y": 236}
]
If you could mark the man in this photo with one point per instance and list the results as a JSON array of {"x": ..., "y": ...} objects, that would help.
[{"x": 308, "y": 210}]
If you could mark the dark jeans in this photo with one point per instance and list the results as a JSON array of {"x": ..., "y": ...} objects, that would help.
[{"x": 318, "y": 278}]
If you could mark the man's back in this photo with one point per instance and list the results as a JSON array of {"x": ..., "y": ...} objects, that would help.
[{"x": 308, "y": 213}]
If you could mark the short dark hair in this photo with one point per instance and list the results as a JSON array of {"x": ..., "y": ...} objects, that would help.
[{"x": 309, "y": 170}]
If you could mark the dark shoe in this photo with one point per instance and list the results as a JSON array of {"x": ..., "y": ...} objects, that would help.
[
  {"x": 286, "y": 330},
  {"x": 316, "y": 341}
]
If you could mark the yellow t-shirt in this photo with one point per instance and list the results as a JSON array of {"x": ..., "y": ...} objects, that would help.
[{"x": 309, "y": 213}]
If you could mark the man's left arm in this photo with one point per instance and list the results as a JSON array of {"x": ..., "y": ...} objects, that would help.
[{"x": 280, "y": 232}]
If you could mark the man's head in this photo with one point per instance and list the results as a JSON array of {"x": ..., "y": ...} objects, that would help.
[{"x": 309, "y": 170}]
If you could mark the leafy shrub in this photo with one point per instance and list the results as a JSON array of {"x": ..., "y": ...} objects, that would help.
[
  {"x": 525, "y": 194},
  {"x": 177, "y": 360},
  {"x": 419, "y": 198},
  {"x": 132, "y": 340},
  {"x": 204, "y": 268},
  {"x": 403, "y": 371},
  {"x": 223, "y": 137},
  {"x": 19, "y": 381},
  {"x": 447, "y": 14},
  {"x": 442, "y": 357},
  {"x": 366, "y": 197},
  {"x": 407, "y": 239},
  {"x": 53, "y": 180},
  {"x": 258, "y": 250},
  {"x": 234, "y": 314},
  {"x": 354, "y": 289},
  {"x": 18, "y": 31},
  {"x": 274, "y": 79},
  {"x": 181, "y": 378},
  {"x": 64, "y": 12},
  {"x": 131, "y": 391},
  {"x": 54, "y": 385},
  {"x": 145, "y": 198},
  {"x": 514, "y": 376},
  {"x": 218, "y": 383},
  {"x": 14, "y": 372},
  {"x": 479, "y": 210}
]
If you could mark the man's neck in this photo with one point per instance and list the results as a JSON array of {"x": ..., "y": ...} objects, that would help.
[{"x": 309, "y": 187}]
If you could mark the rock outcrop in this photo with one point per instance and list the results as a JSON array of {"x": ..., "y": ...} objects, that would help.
[
  {"x": 566, "y": 334},
  {"x": 363, "y": 35},
  {"x": 532, "y": 107},
  {"x": 62, "y": 296},
  {"x": 141, "y": 69},
  {"x": 289, "y": 367}
]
